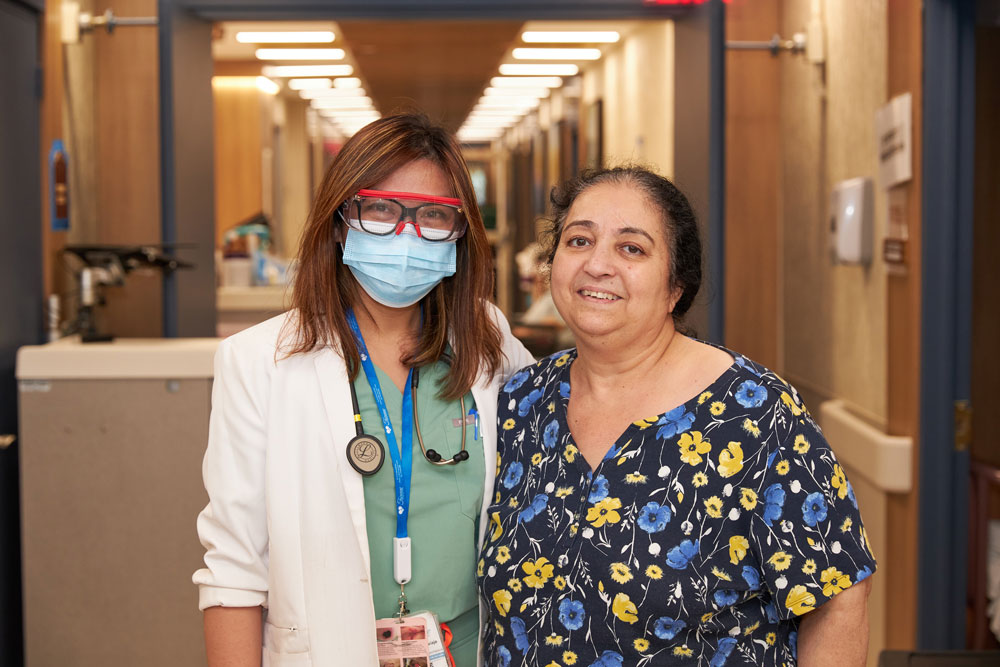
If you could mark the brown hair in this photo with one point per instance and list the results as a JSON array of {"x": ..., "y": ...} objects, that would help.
[{"x": 325, "y": 288}]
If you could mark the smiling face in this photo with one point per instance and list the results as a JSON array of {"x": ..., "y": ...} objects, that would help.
[{"x": 611, "y": 270}]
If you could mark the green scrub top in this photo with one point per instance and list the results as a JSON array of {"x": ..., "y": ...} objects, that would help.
[{"x": 445, "y": 502}]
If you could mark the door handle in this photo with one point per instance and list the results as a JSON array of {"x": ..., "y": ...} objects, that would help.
[{"x": 7, "y": 440}]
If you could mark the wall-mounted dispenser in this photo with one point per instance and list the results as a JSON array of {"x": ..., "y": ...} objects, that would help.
[{"x": 852, "y": 210}]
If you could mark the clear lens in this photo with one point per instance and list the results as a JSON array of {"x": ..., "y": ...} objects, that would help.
[{"x": 437, "y": 222}]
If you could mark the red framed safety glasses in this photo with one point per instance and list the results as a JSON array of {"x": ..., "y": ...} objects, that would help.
[{"x": 382, "y": 213}]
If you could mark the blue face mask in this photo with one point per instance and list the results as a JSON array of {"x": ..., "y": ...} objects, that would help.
[{"x": 398, "y": 270}]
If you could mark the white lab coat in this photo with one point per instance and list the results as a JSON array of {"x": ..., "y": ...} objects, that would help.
[{"x": 285, "y": 523}]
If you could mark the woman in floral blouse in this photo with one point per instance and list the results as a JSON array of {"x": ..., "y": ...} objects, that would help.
[{"x": 659, "y": 500}]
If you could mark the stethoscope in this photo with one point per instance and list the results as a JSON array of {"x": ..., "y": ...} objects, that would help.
[{"x": 366, "y": 453}]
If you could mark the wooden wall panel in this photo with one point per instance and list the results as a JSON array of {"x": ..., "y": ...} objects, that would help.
[
  {"x": 238, "y": 193},
  {"x": 905, "y": 49},
  {"x": 753, "y": 145}
]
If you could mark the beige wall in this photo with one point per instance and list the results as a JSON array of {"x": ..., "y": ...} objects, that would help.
[{"x": 835, "y": 328}]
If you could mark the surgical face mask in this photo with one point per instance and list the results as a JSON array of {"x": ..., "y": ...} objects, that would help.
[{"x": 400, "y": 269}]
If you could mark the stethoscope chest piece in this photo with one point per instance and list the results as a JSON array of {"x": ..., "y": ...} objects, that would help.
[{"x": 366, "y": 454}]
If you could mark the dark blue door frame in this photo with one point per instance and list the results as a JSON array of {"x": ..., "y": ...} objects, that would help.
[
  {"x": 186, "y": 186},
  {"x": 946, "y": 285}
]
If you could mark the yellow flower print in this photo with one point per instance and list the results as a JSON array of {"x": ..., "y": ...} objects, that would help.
[
  {"x": 561, "y": 361},
  {"x": 570, "y": 453},
  {"x": 801, "y": 444},
  {"x": 846, "y": 526},
  {"x": 620, "y": 572},
  {"x": 514, "y": 584},
  {"x": 604, "y": 512},
  {"x": 497, "y": 496},
  {"x": 553, "y": 664},
  {"x": 573, "y": 529},
  {"x": 499, "y": 628},
  {"x": 498, "y": 470},
  {"x": 551, "y": 407},
  {"x": 780, "y": 561},
  {"x": 683, "y": 651},
  {"x": 692, "y": 447},
  {"x": 705, "y": 395},
  {"x": 800, "y": 600},
  {"x": 731, "y": 459},
  {"x": 554, "y": 640},
  {"x": 809, "y": 567},
  {"x": 748, "y": 498},
  {"x": 538, "y": 572},
  {"x": 502, "y": 600},
  {"x": 751, "y": 629},
  {"x": 559, "y": 582},
  {"x": 479, "y": 567},
  {"x": 721, "y": 575},
  {"x": 717, "y": 408},
  {"x": 788, "y": 401},
  {"x": 834, "y": 581},
  {"x": 700, "y": 479},
  {"x": 569, "y": 658},
  {"x": 707, "y": 616},
  {"x": 512, "y": 502},
  {"x": 635, "y": 478},
  {"x": 508, "y": 425},
  {"x": 503, "y": 555},
  {"x": 654, "y": 572},
  {"x": 782, "y": 467},
  {"x": 641, "y": 644},
  {"x": 770, "y": 638},
  {"x": 738, "y": 546},
  {"x": 839, "y": 481},
  {"x": 646, "y": 423},
  {"x": 714, "y": 507},
  {"x": 680, "y": 496},
  {"x": 564, "y": 491},
  {"x": 624, "y": 609},
  {"x": 536, "y": 458},
  {"x": 496, "y": 528},
  {"x": 750, "y": 426}
]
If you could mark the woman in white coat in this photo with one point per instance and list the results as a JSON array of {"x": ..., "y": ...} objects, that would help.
[{"x": 309, "y": 539}]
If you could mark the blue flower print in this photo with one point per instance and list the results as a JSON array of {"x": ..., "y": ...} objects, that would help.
[
  {"x": 571, "y": 614},
  {"x": 538, "y": 504},
  {"x": 742, "y": 362},
  {"x": 654, "y": 517},
  {"x": 608, "y": 659},
  {"x": 850, "y": 494},
  {"x": 525, "y": 405},
  {"x": 667, "y": 628},
  {"x": 679, "y": 557},
  {"x": 598, "y": 490},
  {"x": 504, "y": 654},
  {"x": 770, "y": 459},
  {"x": 516, "y": 380},
  {"x": 862, "y": 574},
  {"x": 564, "y": 390},
  {"x": 520, "y": 634},
  {"x": 751, "y": 575},
  {"x": 725, "y": 597},
  {"x": 513, "y": 475},
  {"x": 550, "y": 435},
  {"x": 771, "y": 611},
  {"x": 726, "y": 646},
  {"x": 674, "y": 423},
  {"x": 774, "y": 502},
  {"x": 793, "y": 643},
  {"x": 814, "y": 509},
  {"x": 751, "y": 395}
]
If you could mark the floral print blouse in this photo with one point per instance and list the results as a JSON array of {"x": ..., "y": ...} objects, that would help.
[{"x": 700, "y": 538}]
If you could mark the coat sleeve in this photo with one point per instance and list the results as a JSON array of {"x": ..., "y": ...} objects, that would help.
[{"x": 233, "y": 526}]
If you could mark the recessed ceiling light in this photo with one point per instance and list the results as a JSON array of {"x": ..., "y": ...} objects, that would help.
[
  {"x": 331, "y": 93},
  {"x": 557, "y": 54},
  {"x": 265, "y": 85},
  {"x": 297, "y": 37},
  {"x": 347, "y": 82},
  {"x": 517, "y": 69},
  {"x": 525, "y": 81},
  {"x": 309, "y": 84},
  {"x": 299, "y": 54},
  {"x": 570, "y": 37},
  {"x": 342, "y": 103},
  {"x": 283, "y": 71}
]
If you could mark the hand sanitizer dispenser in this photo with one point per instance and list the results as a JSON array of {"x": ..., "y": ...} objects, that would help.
[{"x": 852, "y": 210}]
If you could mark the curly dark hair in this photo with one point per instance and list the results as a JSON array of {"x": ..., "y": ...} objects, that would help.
[{"x": 679, "y": 223}]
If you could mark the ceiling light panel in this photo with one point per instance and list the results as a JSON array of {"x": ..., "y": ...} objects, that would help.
[
  {"x": 296, "y": 37},
  {"x": 299, "y": 54},
  {"x": 343, "y": 103},
  {"x": 525, "y": 81},
  {"x": 329, "y": 93},
  {"x": 517, "y": 92},
  {"x": 347, "y": 82},
  {"x": 556, "y": 54},
  {"x": 284, "y": 71},
  {"x": 309, "y": 84},
  {"x": 554, "y": 69},
  {"x": 570, "y": 37}
]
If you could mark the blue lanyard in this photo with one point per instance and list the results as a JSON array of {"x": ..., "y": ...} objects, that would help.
[{"x": 402, "y": 460}]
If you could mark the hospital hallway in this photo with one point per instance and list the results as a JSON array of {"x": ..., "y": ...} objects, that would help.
[{"x": 158, "y": 164}]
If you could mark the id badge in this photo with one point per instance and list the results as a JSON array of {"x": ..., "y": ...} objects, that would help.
[{"x": 412, "y": 641}]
